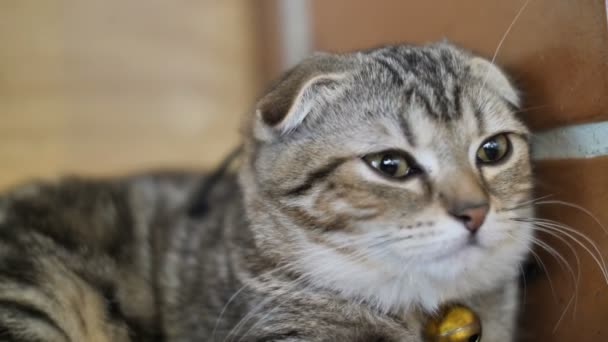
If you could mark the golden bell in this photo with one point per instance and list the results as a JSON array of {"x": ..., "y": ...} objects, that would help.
[{"x": 453, "y": 323}]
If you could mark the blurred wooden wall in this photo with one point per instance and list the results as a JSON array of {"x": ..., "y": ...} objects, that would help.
[{"x": 107, "y": 87}]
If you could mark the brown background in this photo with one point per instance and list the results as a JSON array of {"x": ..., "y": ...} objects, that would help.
[{"x": 585, "y": 183}]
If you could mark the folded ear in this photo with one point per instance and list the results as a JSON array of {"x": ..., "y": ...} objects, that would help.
[
  {"x": 293, "y": 97},
  {"x": 493, "y": 77}
]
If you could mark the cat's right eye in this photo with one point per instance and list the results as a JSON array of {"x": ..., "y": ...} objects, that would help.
[{"x": 393, "y": 164}]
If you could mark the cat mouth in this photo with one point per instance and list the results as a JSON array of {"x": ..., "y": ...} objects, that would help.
[
  {"x": 473, "y": 241},
  {"x": 464, "y": 246}
]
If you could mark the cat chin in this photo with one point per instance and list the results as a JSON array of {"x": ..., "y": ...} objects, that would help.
[{"x": 397, "y": 287}]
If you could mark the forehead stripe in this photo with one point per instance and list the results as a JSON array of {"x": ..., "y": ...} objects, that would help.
[
  {"x": 457, "y": 93},
  {"x": 414, "y": 96},
  {"x": 395, "y": 76},
  {"x": 480, "y": 120},
  {"x": 406, "y": 130}
]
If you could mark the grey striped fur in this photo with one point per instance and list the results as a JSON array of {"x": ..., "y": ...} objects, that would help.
[{"x": 286, "y": 248}]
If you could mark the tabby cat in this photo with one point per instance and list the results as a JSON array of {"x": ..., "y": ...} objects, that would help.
[{"x": 372, "y": 188}]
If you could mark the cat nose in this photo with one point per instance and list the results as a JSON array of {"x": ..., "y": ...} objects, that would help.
[{"x": 472, "y": 216}]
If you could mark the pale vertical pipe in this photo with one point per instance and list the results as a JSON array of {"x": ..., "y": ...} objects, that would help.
[
  {"x": 607, "y": 13},
  {"x": 295, "y": 31}
]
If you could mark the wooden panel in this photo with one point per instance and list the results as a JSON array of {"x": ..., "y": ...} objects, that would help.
[
  {"x": 584, "y": 183},
  {"x": 99, "y": 87},
  {"x": 267, "y": 24},
  {"x": 557, "y": 50}
]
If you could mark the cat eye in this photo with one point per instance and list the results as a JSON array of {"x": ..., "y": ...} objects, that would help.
[
  {"x": 493, "y": 149},
  {"x": 393, "y": 164}
]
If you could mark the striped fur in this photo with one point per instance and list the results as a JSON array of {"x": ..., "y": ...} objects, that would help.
[{"x": 304, "y": 242}]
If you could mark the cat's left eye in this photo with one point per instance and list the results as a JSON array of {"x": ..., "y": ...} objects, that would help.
[
  {"x": 393, "y": 164},
  {"x": 493, "y": 149}
]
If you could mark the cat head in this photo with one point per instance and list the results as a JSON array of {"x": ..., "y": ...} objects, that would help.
[{"x": 391, "y": 175}]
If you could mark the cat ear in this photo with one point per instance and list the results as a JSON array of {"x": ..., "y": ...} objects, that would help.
[
  {"x": 496, "y": 79},
  {"x": 293, "y": 97}
]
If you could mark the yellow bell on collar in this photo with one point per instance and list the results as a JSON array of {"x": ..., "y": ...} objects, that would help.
[{"x": 453, "y": 323}]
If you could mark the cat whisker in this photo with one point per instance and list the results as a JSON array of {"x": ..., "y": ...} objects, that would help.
[
  {"x": 546, "y": 226},
  {"x": 504, "y": 38},
  {"x": 565, "y": 242},
  {"x": 278, "y": 269},
  {"x": 293, "y": 265},
  {"x": 580, "y": 208},
  {"x": 529, "y": 109},
  {"x": 546, "y": 270},
  {"x": 332, "y": 268},
  {"x": 561, "y": 260},
  {"x": 574, "y": 298},
  {"x": 574, "y": 252},
  {"x": 302, "y": 278},
  {"x": 525, "y": 204},
  {"x": 294, "y": 283},
  {"x": 576, "y": 258},
  {"x": 232, "y": 334},
  {"x": 265, "y": 317},
  {"x": 506, "y": 34},
  {"x": 391, "y": 241},
  {"x": 568, "y": 232},
  {"x": 551, "y": 224}
]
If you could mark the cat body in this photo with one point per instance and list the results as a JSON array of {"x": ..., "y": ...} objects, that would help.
[{"x": 373, "y": 188}]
